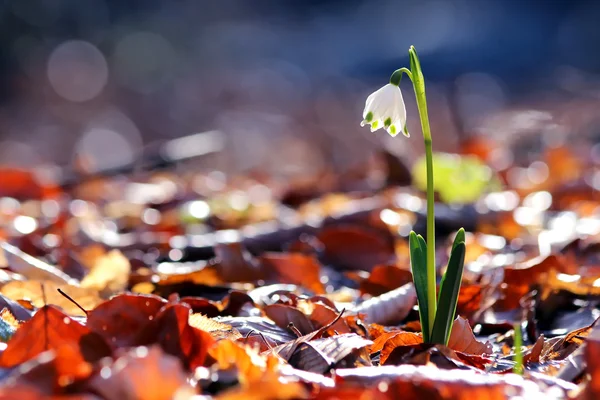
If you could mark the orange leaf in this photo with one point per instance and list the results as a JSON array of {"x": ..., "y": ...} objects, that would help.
[
  {"x": 354, "y": 247},
  {"x": 398, "y": 340},
  {"x": 51, "y": 329},
  {"x": 296, "y": 268},
  {"x": 462, "y": 339},
  {"x": 384, "y": 278}
]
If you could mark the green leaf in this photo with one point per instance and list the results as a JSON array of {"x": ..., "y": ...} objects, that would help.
[
  {"x": 418, "y": 262},
  {"x": 449, "y": 289},
  {"x": 459, "y": 238},
  {"x": 518, "y": 344}
]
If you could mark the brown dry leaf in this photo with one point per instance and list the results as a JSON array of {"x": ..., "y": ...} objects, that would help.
[
  {"x": 322, "y": 314},
  {"x": 354, "y": 247},
  {"x": 462, "y": 339},
  {"x": 592, "y": 359},
  {"x": 519, "y": 278},
  {"x": 251, "y": 365},
  {"x": 32, "y": 291},
  {"x": 143, "y": 373},
  {"x": 109, "y": 275},
  {"x": 286, "y": 350},
  {"x": 217, "y": 330},
  {"x": 295, "y": 268},
  {"x": 397, "y": 340},
  {"x": 567, "y": 345},
  {"x": 390, "y": 307},
  {"x": 384, "y": 278},
  {"x": 533, "y": 354},
  {"x": 321, "y": 355},
  {"x": 283, "y": 315}
]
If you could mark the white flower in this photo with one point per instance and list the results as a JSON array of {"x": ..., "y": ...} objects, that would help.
[{"x": 385, "y": 109}]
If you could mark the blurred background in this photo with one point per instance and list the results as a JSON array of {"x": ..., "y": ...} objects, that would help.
[{"x": 282, "y": 84}]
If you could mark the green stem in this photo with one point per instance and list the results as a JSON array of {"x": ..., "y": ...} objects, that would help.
[{"x": 419, "y": 86}]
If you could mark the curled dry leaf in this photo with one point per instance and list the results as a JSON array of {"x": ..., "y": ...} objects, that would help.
[
  {"x": 390, "y": 307},
  {"x": 321, "y": 355},
  {"x": 40, "y": 293},
  {"x": 142, "y": 373},
  {"x": 109, "y": 275},
  {"x": 51, "y": 329},
  {"x": 355, "y": 248},
  {"x": 533, "y": 354},
  {"x": 398, "y": 339},
  {"x": 462, "y": 339},
  {"x": 270, "y": 336}
]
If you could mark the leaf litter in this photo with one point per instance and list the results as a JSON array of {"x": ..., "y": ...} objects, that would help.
[{"x": 307, "y": 296}]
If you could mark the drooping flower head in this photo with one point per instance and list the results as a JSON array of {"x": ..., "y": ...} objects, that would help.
[{"x": 385, "y": 109}]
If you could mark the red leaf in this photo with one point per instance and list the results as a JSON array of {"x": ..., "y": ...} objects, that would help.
[
  {"x": 51, "y": 329},
  {"x": 173, "y": 332},
  {"x": 120, "y": 319},
  {"x": 352, "y": 247}
]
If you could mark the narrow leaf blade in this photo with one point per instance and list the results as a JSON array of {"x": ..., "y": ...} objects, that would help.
[
  {"x": 459, "y": 238},
  {"x": 448, "y": 298},
  {"x": 419, "y": 272}
]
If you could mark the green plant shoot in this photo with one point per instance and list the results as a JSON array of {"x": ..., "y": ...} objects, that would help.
[{"x": 385, "y": 108}]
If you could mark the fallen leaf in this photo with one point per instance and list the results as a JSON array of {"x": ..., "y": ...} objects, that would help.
[
  {"x": 51, "y": 329},
  {"x": 294, "y": 268},
  {"x": 259, "y": 331},
  {"x": 171, "y": 329},
  {"x": 217, "y": 330},
  {"x": 40, "y": 293},
  {"x": 31, "y": 267},
  {"x": 132, "y": 311},
  {"x": 462, "y": 339},
  {"x": 322, "y": 355},
  {"x": 533, "y": 354},
  {"x": 251, "y": 366},
  {"x": 284, "y": 315},
  {"x": 322, "y": 314},
  {"x": 109, "y": 275},
  {"x": 353, "y": 247},
  {"x": 142, "y": 373},
  {"x": 396, "y": 340},
  {"x": 390, "y": 307},
  {"x": 384, "y": 278},
  {"x": 424, "y": 382}
]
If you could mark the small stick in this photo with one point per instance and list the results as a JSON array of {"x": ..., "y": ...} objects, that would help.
[
  {"x": 294, "y": 329},
  {"x": 72, "y": 301}
]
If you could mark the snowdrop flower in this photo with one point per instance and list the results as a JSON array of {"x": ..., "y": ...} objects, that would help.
[{"x": 385, "y": 109}]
